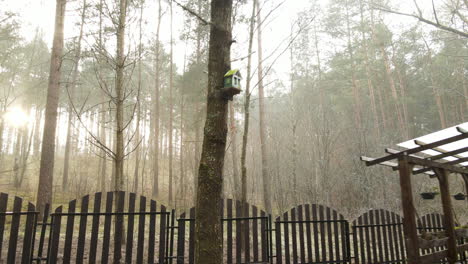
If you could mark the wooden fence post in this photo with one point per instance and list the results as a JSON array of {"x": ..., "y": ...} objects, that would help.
[
  {"x": 409, "y": 220},
  {"x": 448, "y": 214}
]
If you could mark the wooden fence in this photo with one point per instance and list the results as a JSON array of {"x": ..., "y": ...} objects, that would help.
[{"x": 118, "y": 227}]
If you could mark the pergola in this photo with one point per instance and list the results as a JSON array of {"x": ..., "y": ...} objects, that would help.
[{"x": 438, "y": 155}]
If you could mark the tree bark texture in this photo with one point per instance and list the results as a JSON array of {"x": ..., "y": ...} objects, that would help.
[
  {"x": 208, "y": 226},
  {"x": 46, "y": 170},
  {"x": 155, "y": 100},
  {"x": 261, "y": 107},
  {"x": 245, "y": 136}
]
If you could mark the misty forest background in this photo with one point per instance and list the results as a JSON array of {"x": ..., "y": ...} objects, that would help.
[{"x": 346, "y": 80}]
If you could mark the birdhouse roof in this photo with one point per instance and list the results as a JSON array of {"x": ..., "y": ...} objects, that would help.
[{"x": 233, "y": 72}]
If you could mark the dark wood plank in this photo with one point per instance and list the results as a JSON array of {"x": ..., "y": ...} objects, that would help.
[
  {"x": 355, "y": 240},
  {"x": 130, "y": 229},
  {"x": 55, "y": 235},
  {"x": 300, "y": 217},
  {"x": 308, "y": 234},
  {"x": 239, "y": 241},
  {"x": 181, "y": 239},
  {"x": 45, "y": 218},
  {"x": 294, "y": 235},
  {"x": 229, "y": 231},
  {"x": 373, "y": 237},
  {"x": 279, "y": 249},
  {"x": 3, "y": 208},
  {"x": 336, "y": 236},
  {"x": 322, "y": 234},
  {"x": 378, "y": 234},
  {"x": 287, "y": 253},
  {"x": 119, "y": 226},
  {"x": 162, "y": 234},
  {"x": 95, "y": 228},
  {"x": 152, "y": 232},
  {"x": 255, "y": 234},
  {"x": 401, "y": 242},
  {"x": 246, "y": 236},
  {"x": 412, "y": 248},
  {"x": 367, "y": 236},
  {"x": 264, "y": 233},
  {"x": 391, "y": 235},
  {"x": 69, "y": 232},
  {"x": 82, "y": 230},
  {"x": 192, "y": 237},
  {"x": 329, "y": 235},
  {"x": 107, "y": 228},
  {"x": 362, "y": 241},
  {"x": 316, "y": 233},
  {"x": 171, "y": 239},
  {"x": 141, "y": 230},
  {"x": 14, "y": 230},
  {"x": 29, "y": 231}
]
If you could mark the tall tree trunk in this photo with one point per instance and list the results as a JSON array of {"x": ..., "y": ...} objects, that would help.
[
  {"x": 208, "y": 227},
  {"x": 233, "y": 146},
  {"x": 396, "y": 100},
  {"x": 68, "y": 143},
  {"x": 102, "y": 116},
  {"x": 182, "y": 169},
  {"x": 155, "y": 99},
  {"x": 46, "y": 171},
  {"x": 137, "y": 132},
  {"x": 245, "y": 136},
  {"x": 370, "y": 85},
  {"x": 261, "y": 107},
  {"x": 171, "y": 110},
  {"x": 119, "y": 99}
]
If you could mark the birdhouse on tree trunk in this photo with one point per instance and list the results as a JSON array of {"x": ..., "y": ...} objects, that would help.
[{"x": 232, "y": 84}]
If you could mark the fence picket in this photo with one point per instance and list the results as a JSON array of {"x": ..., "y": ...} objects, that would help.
[
  {"x": 107, "y": 227},
  {"x": 69, "y": 232},
  {"x": 55, "y": 236},
  {"x": 28, "y": 234},
  {"x": 15, "y": 222},
  {"x": 130, "y": 224},
  {"x": 229, "y": 231},
  {"x": 152, "y": 232},
  {"x": 141, "y": 230},
  {"x": 3, "y": 208},
  {"x": 95, "y": 228},
  {"x": 82, "y": 230}
]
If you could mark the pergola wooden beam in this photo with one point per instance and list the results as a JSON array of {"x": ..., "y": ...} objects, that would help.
[
  {"x": 453, "y": 162},
  {"x": 394, "y": 165},
  {"x": 448, "y": 153},
  {"x": 434, "y": 164},
  {"x": 463, "y": 135},
  {"x": 438, "y": 149}
]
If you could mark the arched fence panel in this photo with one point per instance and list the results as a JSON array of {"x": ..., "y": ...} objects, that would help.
[
  {"x": 246, "y": 234},
  {"x": 17, "y": 225},
  {"x": 435, "y": 223},
  {"x": 115, "y": 227},
  {"x": 312, "y": 234},
  {"x": 378, "y": 238}
]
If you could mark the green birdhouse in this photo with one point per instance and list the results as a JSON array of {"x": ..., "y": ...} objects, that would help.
[
  {"x": 232, "y": 79},
  {"x": 232, "y": 84}
]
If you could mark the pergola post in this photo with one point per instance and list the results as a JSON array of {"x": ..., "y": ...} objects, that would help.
[
  {"x": 448, "y": 215},
  {"x": 409, "y": 220},
  {"x": 465, "y": 178}
]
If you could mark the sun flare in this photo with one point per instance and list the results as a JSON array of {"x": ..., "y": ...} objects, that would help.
[{"x": 16, "y": 117}]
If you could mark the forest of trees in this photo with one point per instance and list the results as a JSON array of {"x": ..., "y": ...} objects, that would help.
[{"x": 351, "y": 77}]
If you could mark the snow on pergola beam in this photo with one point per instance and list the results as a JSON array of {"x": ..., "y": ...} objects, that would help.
[{"x": 444, "y": 149}]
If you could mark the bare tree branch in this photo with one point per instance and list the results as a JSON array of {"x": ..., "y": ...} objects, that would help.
[{"x": 424, "y": 20}]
